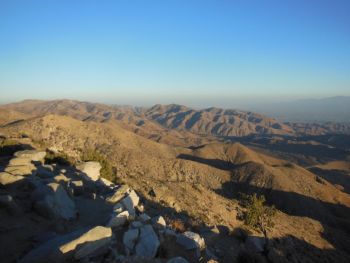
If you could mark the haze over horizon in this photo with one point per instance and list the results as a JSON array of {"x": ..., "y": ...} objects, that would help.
[{"x": 198, "y": 53}]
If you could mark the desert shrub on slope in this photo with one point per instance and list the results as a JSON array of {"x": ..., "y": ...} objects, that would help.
[{"x": 258, "y": 215}]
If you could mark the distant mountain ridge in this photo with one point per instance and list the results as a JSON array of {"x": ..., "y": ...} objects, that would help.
[
  {"x": 177, "y": 123},
  {"x": 215, "y": 121},
  {"x": 210, "y": 121}
]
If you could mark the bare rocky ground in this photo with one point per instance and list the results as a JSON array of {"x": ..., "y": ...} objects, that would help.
[{"x": 57, "y": 213}]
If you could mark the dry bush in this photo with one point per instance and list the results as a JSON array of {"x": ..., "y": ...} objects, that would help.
[{"x": 176, "y": 224}]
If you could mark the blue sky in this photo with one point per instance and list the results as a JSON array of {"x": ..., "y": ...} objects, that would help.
[{"x": 192, "y": 52}]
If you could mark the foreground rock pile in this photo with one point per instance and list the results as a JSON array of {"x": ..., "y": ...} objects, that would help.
[{"x": 70, "y": 214}]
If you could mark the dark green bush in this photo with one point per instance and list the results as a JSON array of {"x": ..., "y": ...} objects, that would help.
[{"x": 257, "y": 214}]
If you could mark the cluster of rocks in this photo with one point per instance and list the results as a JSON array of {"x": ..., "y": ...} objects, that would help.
[
  {"x": 60, "y": 194},
  {"x": 22, "y": 165}
]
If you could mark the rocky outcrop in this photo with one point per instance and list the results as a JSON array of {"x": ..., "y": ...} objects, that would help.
[
  {"x": 116, "y": 196},
  {"x": 21, "y": 170},
  {"x": 59, "y": 200},
  {"x": 130, "y": 202},
  {"x": 88, "y": 243},
  {"x": 118, "y": 219},
  {"x": 32, "y": 155},
  {"x": 79, "y": 244},
  {"x": 54, "y": 202},
  {"x": 190, "y": 240},
  {"x": 24, "y": 162},
  {"x": 7, "y": 178}
]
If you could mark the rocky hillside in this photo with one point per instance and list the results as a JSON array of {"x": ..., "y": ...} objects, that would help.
[
  {"x": 127, "y": 117},
  {"x": 8, "y": 116}
]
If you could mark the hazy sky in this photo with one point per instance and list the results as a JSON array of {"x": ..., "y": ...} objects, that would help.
[{"x": 191, "y": 52}]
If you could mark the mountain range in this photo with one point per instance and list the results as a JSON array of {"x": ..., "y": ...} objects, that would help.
[{"x": 161, "y": 121}]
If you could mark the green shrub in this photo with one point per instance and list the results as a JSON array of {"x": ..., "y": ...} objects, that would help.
[
  {"x": 257, "y": 214},
  {"x": 107, "y": 170}
]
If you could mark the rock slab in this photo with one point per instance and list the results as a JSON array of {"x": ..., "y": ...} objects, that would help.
[
  {"x": 88, "y": 243},
  {"x": 190, "y": 240},
  {"x": 148, "y": 243},
  {"x": 90, "y": 169},
  {"x": 7, "y": 178},
  {"x": 118, "y": 220},
  {"x": 55, "y": 202}
]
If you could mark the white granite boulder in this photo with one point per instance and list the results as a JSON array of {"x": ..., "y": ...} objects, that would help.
[
  {"x": 118, "y": 220},
  {"x": 88, "y": 243},
  {"x": 118, "y": 194},
  {"x": 91, "y": 170},
  {"x": 190, "y": 240},
  {"x": 159, "y": 222},
  {"x": 21, "y": 170},
  {"x": 130, "y": 201}
]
